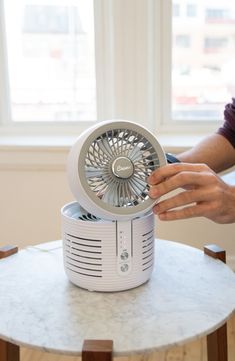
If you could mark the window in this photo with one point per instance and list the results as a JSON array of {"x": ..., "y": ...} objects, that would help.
[
  {"x": 215, "y": 14},
  {"x": 161, "y": 63},
  {"x": 176, "y": 10},
  {"x": 50, "y": 47},
  {"x": 182, "y": 41},
  {"x": 191, "y": 10},
  {"x": 51, "y": 19},
  {"x": 200, "y": 93},
  {"x": 212, "y": 44}
]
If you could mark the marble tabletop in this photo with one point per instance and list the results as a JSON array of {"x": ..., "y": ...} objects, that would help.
[{"x": 189, "y": 295}]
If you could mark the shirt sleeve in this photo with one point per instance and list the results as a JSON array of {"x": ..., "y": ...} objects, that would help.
[{"x": 228, "y": 128}]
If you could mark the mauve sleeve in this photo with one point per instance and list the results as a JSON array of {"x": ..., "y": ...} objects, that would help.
[{"x": 228, "y": 128}]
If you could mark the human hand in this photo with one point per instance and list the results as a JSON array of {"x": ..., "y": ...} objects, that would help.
[{"x": 204, "y": 193}]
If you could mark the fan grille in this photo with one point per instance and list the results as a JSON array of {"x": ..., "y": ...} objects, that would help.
[{"x": 128, "y": 188}]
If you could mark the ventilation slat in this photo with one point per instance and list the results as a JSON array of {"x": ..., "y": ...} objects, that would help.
[
  {"x": 144, "y": 264},
  {"x": 84, "y": 274},
  {"x": 146, "y": 234},
  {"x": 83, "y": 238},
  {"x": 83, "y": 262},
  {"x": 148, "y": 250},
  {"x": 84, "y": 256},
  {"x": 145, "y": 269},
  {"x": 146, "y": 257},
  {"x": 147, "y": 245},
  {"x": 82, "y": 244},
  {"x": 85, "y": 251},
  {"x": 148, "y": 239},
  {"x": 84, "y": 268}
]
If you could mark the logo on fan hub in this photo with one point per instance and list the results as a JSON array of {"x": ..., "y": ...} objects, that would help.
[{"x": 122, "y": 167}]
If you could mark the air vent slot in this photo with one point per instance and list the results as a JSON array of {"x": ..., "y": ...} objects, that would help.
[
  {"x": 83, "y": 255},
  {"x": 147, "y": 250},
  {"x": 88, "y": 217}
]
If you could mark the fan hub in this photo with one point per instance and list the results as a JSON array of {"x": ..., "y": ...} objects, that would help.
[{"x": 122, "y": 167}]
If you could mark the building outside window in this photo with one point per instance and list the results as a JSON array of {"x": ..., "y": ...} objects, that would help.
[
  {"x": 212, "y": 44},
  {"x": 182, "y": 41},
  {"x": 200, "y": 95},
  {"x": 191, "y": 10},
  {"x": 176, "y": 9},
  {"x": 217, "y": 14}
]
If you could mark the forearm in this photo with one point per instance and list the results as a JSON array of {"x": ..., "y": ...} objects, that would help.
[{"x": 215, "y": 151}]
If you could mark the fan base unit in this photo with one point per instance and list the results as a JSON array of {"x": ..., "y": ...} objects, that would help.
[{"x": 104, "y": 255}]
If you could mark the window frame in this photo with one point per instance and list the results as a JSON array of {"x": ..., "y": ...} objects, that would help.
[{"x": 120, "y": 55}]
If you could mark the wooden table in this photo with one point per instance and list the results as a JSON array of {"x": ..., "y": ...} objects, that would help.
[{"x": 189, "y": 295}]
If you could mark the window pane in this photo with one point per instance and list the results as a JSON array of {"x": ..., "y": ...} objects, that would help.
[
  {"x": 203, "y": 58},
  {"x": 191, "y": 10},
  {"x": 51, "y": 60}
]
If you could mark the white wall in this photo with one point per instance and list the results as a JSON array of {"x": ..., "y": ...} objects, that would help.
[
  {"x": 33, "y": 188},
  {"x": 30, "y": 205}
]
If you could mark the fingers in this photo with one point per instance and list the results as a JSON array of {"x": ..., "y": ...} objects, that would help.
[
  {"x": 198, "y": 210},
  {"x": 191, "y": 180},
  {"x": 182, "y": 199},
  {"x": 170, "y": 170},
  {"x": 171, "y": 177}
]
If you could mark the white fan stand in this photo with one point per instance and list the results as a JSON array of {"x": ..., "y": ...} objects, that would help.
[{"x": 103, "y": 255}]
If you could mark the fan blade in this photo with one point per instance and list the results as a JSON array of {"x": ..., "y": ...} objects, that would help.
[
  {"x": 135, "y": 154},
  {"x": 138, "y": 186},
  {"x": 96, "y": 157},
  {"x": 111, "y": 196},
  {"x": 93, "y": 172},
  {"x": 139, "y": 181},
  {"x": 123, "y": 194},
  {"x": 105, "y": 147}
]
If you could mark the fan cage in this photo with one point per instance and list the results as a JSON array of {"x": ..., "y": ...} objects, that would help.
[{"x": 111, "y": 146}]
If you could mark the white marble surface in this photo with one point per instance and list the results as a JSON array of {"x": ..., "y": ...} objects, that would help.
[{"x": 188, "y": 296}]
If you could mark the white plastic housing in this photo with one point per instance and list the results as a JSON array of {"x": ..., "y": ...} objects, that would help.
[
  {"x": 107, "y": 256},
  {"x": 77, "y": 177}
]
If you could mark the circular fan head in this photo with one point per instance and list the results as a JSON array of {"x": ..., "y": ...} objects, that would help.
[{"x": 108, "y": 167}]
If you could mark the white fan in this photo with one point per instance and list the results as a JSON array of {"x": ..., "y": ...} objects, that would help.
[{"x": 108, "y": 234}]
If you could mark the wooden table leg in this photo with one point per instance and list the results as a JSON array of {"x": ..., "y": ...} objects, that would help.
[
  {"x": 9, "y": 351},
  {"x": 7, "y": 251},
  {"x": 217, "y": 344},
  {"x": 97, "y": 350}
]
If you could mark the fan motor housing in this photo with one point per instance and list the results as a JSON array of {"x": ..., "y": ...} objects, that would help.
[
  {"x": 108, "y": 166},
  {"x": 104, "y": 255}
]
